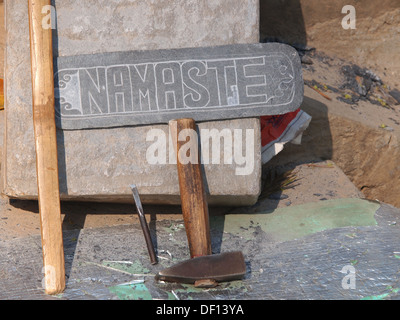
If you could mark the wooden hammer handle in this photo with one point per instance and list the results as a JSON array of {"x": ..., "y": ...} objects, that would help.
[
  {"x": 193, "y": 197},
  {"x": 46, "y": 148}
]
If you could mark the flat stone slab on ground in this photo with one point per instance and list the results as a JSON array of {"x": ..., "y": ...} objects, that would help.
[
  {"x": 100, "y": 164},
  {"x": 309, "y": 260}
]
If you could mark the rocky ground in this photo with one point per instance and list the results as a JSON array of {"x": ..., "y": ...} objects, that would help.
[{"x": 355, "y": 124}]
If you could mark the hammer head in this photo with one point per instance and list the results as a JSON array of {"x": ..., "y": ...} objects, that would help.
[{"x": 222, "y": 267}]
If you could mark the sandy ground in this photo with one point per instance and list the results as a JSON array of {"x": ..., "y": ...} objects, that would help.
[
  {"x": 374, "y": 43},
  {"x": 309, "y": 182},
  {"x": 314, "y": 181}
]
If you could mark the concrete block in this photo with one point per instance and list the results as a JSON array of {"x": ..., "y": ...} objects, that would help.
[{"x": 100, "y": 164}]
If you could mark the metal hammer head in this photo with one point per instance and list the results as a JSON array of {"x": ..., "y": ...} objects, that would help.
[{"x": 218, "y": 267}]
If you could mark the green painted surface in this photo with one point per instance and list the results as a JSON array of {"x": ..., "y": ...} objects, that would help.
[
  {"x": 131, "y": 292},
  {"x": 353, "y": 262},
  {"x": 285, "y": 224},
  {"x": 384, "y": 295},
  {"x": 377, "y": 297},
  {"x": 186, "y": 291}
]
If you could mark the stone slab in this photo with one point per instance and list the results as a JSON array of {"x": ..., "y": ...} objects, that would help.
[
  {"x": 103, "y": 263},
  {"x": 100, "y": 164},
  {"x": 155, "y": 86}
]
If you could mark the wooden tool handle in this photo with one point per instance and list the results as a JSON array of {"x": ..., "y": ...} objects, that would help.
[
  {"x": 193, "y": 197},
  {"x": 46, "y": 148}
]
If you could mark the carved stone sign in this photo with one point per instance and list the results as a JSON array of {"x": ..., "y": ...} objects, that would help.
[{"x": 146, "y": 87}]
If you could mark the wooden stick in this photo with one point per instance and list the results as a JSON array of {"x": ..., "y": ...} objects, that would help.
[
  {"x": 321, "y": 93},
  {"x": 46, "y": 148},
  {"x": 191, "y": 186}
]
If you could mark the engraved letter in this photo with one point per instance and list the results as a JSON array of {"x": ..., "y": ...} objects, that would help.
[
  {"x": 224, "y": 83},
  {"x": 119, "y": 89},
  {"x": 169, "y": 85},
  {"x": 144, "y": 87},
  {"x": 252, "y": 81},
  {"x": 93, "y": 90},
  {"x": 193, "y": 73}
]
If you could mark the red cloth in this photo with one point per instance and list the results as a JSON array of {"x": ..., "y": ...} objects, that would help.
[{"x": 272, "y": 127}]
